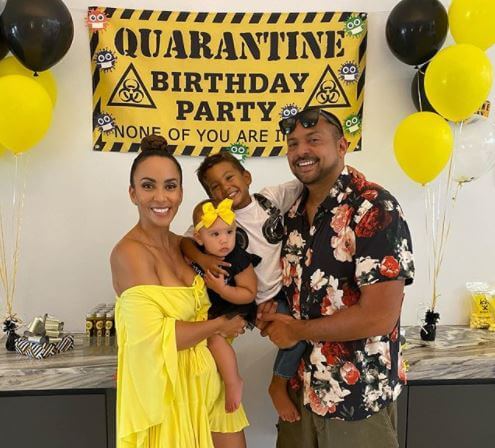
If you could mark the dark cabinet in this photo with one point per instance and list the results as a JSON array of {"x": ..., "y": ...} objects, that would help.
[
  {"x": 402, "y": 417},
  {"x": 429, "y": 416},
  {"x": 451, "y": 416},
  {"x": 54, "y": 421}
]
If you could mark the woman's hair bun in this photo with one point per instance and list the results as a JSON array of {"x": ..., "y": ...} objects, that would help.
[{"x": 154, "y": 142}]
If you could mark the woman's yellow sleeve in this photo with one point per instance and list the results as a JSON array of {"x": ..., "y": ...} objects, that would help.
[{"x": 147, "y": 363}]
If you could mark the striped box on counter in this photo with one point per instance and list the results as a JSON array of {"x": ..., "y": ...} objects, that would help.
[{"x": 43, "y": 350}]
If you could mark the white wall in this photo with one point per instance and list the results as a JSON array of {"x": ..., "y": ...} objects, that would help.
[{"x": 76, "y": 204}]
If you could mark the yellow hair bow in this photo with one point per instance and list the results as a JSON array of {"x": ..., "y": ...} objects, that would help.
[{"x": 210, "y": 214}]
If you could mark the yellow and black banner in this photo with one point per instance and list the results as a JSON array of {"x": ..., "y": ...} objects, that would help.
[{"x": 210, "y": 81}]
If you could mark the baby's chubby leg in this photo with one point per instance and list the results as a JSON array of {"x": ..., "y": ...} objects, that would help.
[{"x": 226, "y": 362}]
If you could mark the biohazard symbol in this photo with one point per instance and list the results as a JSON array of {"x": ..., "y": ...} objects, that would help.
[
  {"x": 130, "y": 91},
  {"x": 328, "y": 91}
]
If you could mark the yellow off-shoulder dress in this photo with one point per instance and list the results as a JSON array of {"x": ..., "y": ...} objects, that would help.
[{"x": 167, "y": 398}]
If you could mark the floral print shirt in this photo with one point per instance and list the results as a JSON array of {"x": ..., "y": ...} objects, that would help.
[{"x": 359, "y": 237}]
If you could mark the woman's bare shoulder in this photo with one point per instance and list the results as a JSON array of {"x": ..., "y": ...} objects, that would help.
[
  {"x": 132, "y": 264},
  {"x": 127, "y": 250}
]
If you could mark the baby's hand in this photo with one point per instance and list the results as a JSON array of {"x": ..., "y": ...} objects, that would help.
[
  {"x": 217, "y": 283},
  {"x": 213, "y": 264},
  {"x": 268, "y": 307}
]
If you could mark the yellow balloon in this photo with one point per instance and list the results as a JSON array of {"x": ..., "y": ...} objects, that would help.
[
  {"x": 423, "y": 144},
  {"x": 11, "y": 66},
  {"x": 470, "y": 20},
  {"x": 458, "y": 80},
  {"x": 25, "y": 113}
]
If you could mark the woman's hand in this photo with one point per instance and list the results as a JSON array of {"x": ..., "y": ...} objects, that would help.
[
  {"x": 231, "y": 328},
  {"x": 214, "y": 265}
]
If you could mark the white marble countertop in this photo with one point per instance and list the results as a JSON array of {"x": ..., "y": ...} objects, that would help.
[
  {"x": 458, "y": 353},
  {"x": 89, "y": 366}
]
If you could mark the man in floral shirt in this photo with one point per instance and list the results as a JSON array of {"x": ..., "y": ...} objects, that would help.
[{"x": 346, "y": 257}]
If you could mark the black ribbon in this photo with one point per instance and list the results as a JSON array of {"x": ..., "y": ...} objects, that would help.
[
  {"x": 429, "y": 329},
  {"x": 9, "y": 327}
]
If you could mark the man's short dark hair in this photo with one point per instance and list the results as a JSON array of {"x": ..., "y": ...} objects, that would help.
[{"x": 210, "y": 161}]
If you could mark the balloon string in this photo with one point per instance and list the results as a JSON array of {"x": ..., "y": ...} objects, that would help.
[
  {"x": 446, "y": 217},
  {"x": 429, "y": 235},
  {"x": 433, "y": 206},
  {"x": 453, "y": 203},
  {"x": 420, "y": 100},
  {"x": 20, "y": 178},
  {"x": 3, "y": 263},
  {"x": 448, "y": 210},
  {"x": 450, "y": 204},
  {"x": 8, "y": 276}
]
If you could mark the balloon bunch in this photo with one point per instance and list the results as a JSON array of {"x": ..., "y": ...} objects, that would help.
[
  {"x": 450, "y": 84},
  {"x": 38, "y": 34},
  {"x": 453, "y": 82}
]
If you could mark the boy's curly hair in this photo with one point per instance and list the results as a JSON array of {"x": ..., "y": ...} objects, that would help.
[{"x": 215, "y": 159}]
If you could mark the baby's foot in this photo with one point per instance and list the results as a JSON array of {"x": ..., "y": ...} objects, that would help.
[
  {"x": 233, "y": 394},
  {"x": 281, "y": 400}
]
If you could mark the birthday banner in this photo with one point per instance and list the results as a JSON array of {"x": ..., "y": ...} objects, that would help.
[{"x": 210, "y": 81}]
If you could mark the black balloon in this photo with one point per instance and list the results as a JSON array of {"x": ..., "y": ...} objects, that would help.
[
  {"x": 38, "y": 32},
  {"x": 416, "y": 30},
  {"x": 4, "y": 49},
  {"x": 418, "y": 93}
]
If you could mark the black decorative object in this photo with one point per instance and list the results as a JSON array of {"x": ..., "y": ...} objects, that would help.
[
  {"x": 4, "y": 49},
  {"x": 9, "y": 327},
  {"x": 418, "y": 93},
  {"x": 38, "y": 32},
  {"x": 416, "y": 30},
  {"x": 429, "y": 329}
]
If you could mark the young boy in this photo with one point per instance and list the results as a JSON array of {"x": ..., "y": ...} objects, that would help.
[
  {"x": 234, "y": 293},
  {"x": 259, "y": 231}
]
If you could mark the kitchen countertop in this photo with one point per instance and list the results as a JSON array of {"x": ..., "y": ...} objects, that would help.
[
  {"x": 89, "y": 366},
  {"x": 457, "y": 354}
]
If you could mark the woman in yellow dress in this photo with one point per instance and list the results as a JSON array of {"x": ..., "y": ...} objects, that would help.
[{"x": 169, "y": 393}]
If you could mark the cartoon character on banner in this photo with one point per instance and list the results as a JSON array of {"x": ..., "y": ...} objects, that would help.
[
  {"x": 97, "y": 20},
  {"x": 352, "y": 124},
  {"x": 355, "y": 25},
  {"x": 349, "y": 72},
  {"x": 105, "y": 60},
  {"x": 105, "y": 123},
  {"x": 289, "y": 111},
  {"x": 239, "y": 151}
]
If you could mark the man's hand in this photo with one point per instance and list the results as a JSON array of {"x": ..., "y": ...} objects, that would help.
[
  {"x": 217, "y": 283},
  {"x": 268, "y": 307},
  {"x": 280, "y": 329}
]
